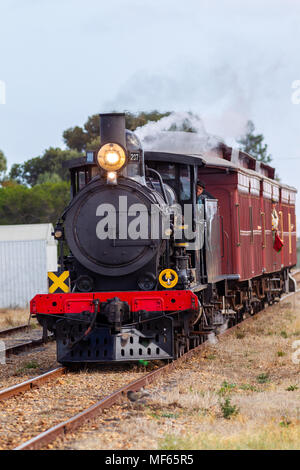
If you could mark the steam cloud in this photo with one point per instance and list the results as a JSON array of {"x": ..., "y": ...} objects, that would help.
[
  {"x": 219, "y": 94},
  {"x": 167, "y": 134}
]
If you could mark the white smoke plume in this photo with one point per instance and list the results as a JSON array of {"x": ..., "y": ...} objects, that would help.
[
  {"x": 169, "y": 134},
  {"x": 215, "y": 91}
]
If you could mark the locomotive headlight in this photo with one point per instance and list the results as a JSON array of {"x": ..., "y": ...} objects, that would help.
[
  {"x": 58, "y": 234},
  {"x": 111, "y": 157},
  {"x": 112, "y": 177}
]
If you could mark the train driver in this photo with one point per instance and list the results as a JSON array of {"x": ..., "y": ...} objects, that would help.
[{"x": 201, "y": 193}]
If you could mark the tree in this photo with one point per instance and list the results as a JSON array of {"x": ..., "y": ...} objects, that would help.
[
  {"x": 42, "y": 203},
  {"x": 50, "y": 163},
  {"x": 15, "y": 173},
  {"x": 75, "y": 138},
  {"x": 88, "y": 137},
  {"x": 3, "y": 165},
  {"x": 92, "y": 126},
  {"x": 253, "y": 144},
  {"x": 185, "y": 126},
  {"x": 138, "y": 120},
  {"x": 48, "y": 177}
]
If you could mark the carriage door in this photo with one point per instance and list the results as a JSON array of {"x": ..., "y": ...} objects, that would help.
[
  {"x": 267, "y": 227},
  {"x": 194, "y": 217},
  {"x": 212, "y": 240}
]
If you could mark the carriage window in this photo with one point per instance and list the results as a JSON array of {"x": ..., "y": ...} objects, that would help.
[
  {"x": 185, "y": 183},
  {"x": 166, "y": 170},
  {"x": 81, "y": 179}
]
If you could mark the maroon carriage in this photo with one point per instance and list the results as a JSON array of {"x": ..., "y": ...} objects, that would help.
[{"x": 246, "y": 199}]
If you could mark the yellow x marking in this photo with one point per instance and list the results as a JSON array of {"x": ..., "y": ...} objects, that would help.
[{"x": 58, "y": 282}]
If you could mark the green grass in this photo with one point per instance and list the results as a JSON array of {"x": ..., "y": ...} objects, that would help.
[
  {"x": 163, "y": 414},
  {"x": 292, "y": 388},
  {"x": 285, "y": 422},
  {"x": 269, "y": 437},
  {"x": 228, "y": 409},
  {"x": 211, "y": 357},
  {"x": 169, "y": 415},
  {"x": 249, "y": 387},
  {"x": 226, "y": 388},
  {"x": 240, "y": 334},
  {"x": 280, "y": 353},
  {"x": 263, "y": 378},
  {"x": 32, "y": 365},
  {"x": 27, "y": 366}
]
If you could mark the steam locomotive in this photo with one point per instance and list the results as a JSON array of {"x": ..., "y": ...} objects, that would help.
[{"x": 145, "y": 272}]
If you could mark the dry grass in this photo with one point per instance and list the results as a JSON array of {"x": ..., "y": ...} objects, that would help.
[
  {"x": 13, "y": 317},
  {"x": 270, "y": 437},
  {"x": 242, "y": 393}
]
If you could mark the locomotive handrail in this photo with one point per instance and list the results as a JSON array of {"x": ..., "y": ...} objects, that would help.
[
  {"x": 251, "y": 225},
  {"x": 263, "y": 218},
  {"x": 290, "y": 232},
  {"x": 161, "y": 183},
  {"x": 227, "y": 239},
  {"x": 239, "y": 224},
  {"x": 281, "y": 223},
  {"x": 223, "y": 244}
]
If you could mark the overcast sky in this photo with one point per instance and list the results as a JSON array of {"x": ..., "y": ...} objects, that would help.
[{"x": 228, "y": 61}]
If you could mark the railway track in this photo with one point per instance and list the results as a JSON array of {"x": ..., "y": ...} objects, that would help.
[
  {"x": 16, "y": 345},
  {"x": 70, "y": 425},
  {"x": 28, "y": 345},
  {"x": 45, "y": 437},
  {"x": 31, "y": 383},
  {"x": 29, "y": 408},
  {"x": 13, "y": 330}
]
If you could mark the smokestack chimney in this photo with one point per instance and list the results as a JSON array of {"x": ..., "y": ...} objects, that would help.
[{"x": 112, "y": 128}]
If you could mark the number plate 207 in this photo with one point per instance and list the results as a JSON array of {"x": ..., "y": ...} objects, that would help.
[{"x": 134, "y": 157}]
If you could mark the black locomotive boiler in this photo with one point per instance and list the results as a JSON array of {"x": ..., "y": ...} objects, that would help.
[{"x": 140, "y": 274}]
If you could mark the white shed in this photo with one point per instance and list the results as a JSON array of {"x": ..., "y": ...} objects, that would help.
[{"x": 27, "y": 253}]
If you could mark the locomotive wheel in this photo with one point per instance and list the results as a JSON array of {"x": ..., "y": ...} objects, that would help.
[
  {"x": 269, "y": 298},
  {"x": 181, "y": 350},
  {"x": 196, "y": 341}
]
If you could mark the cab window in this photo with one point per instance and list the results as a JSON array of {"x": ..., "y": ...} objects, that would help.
[
  {"x": 167, "y": 171},
  {"x": 185, "y": 182},
  {"x": 177, "y": 176}
]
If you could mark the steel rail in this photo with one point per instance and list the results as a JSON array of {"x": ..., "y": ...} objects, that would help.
[
  {"x": 31, "y": 383},
  {"x": 74, "y": 422},
  {"x": 26, "y": 345},
  {"x": 12, "y": 330}
]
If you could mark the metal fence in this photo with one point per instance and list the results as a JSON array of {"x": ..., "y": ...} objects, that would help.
[{"x": 23, "y": 271}]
